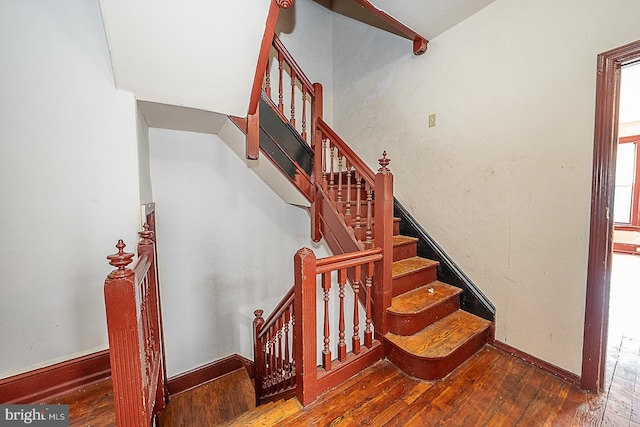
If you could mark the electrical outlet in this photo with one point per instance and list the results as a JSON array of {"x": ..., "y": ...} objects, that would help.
[{"x": 432, "y": 120}]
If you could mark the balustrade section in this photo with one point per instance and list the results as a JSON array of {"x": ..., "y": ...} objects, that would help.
[
  {"x": 322, "y": 332},
  {"x": 291, "y": 93}
]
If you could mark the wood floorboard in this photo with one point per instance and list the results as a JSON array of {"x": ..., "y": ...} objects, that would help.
[{"x": 491, "y": 389}]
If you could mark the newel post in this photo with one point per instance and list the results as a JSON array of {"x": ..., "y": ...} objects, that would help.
[
  {"x": 126, "y": 366},
  {"x": 316, "y": 177},
  {"x": 258, "y": 354},
  {"x": 304, "y": 329},
  {"x": 383, "y": 231}
]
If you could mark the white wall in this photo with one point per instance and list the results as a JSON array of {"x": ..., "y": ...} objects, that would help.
[
  {"x": 226, "y": 246},
  {"x": 503, "y": 181},
  {"x": 305, "y": 30},
  {"x": 68, "y": 181},
  {"x": 193, "y": 53},
  {"x": 144, "y": 169}
]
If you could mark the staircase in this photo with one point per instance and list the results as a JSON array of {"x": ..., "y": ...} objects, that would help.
[
  {"x": 428, "y": 335},
  {"x": 405, "y": 314}
]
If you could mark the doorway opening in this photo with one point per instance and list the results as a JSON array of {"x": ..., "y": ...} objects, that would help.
[{"x": 608, "y": 86}]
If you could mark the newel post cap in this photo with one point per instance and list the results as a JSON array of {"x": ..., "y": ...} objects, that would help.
[
  {"x": 120, "y": 260},
  {"x": 285, "y": 4},
  {"x": 384, "y": 162}
]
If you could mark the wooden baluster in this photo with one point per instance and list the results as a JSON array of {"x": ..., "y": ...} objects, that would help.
[
  {"x": 326, "y": 352},
  {"x": 358, "y": 227},
  {"x": 339, "y": 200},
  {"x": 267, "y": 79},
  {"x": 279, "y": 361},
  {"x": 292, "y": 382},
  {"x": 355, "y": 342},
  {"x": 347, "y": 207},
  {"x": 324, "y": 164},
  {"x": 292, "y": 119},
  {"x": 273, "y": 363},
  {"x": 368, "y": 243},
  {"x": 287, "y": 358},
  {"x": 368, "y": 334},
  {"x": 342, "y": 347},
  {"x": 332, "y": 189},
  {"x": 258, "y": 353},
  {"x": 304, "y": 113},
  {"x": 280, "y": 91}
]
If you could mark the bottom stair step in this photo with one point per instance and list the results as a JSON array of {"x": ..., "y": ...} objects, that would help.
[{"x": 439, "y": 348}]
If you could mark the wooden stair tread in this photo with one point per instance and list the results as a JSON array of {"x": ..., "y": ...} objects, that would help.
[
  {"x": 268, "y": 414},
  {"x": 423, "y": 298},
  {"x": 399, "y": 240},
  {"x": 442, "y": 338},
  {"x": 409, "y": 265}
]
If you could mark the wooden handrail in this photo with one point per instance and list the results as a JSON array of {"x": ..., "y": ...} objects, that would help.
[
  {"x": 286, "y": 301},
  {"x": 355, "y": 160},
  {"x": 352, "y": 259},
  {"x": 134, "y": 325},
  {"x": 288, "y": 59}
]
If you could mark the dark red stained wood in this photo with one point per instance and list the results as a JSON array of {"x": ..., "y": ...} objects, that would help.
[
  {"x": 432, "y": 369},
  {"x": 419, "y": 42},
  {"x": 200, "y": 375},
  {"x": 263, "y": 57},
  {"x": 253, "y": 135},
  {"x": 45, "y": 383},
  {"x": 539, "y": 363},
  {"x": 339, "y": 237},
  {"x": 355, "y": 161},
  {"x": 408, "y": 324},
  {"x": 304, "y": 331},
  {"x": 240, "y": 122},
  {"x": 601, "y": 230},
  {"x": 626, "y": 248},
  {"x": 132, "y": 306},
  {"x": 635, "y": 200},
  {"x": 383, "y": 287},
  {"x": 340, "y": 372}
]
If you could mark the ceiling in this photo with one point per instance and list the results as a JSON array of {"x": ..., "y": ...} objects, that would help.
[{"x": 429, "y": 18}]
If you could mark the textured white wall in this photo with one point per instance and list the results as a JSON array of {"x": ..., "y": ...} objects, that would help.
[
  {"x": 226, "y": 246},
  {"x": 503, "y": 181},
  {"x": 193, "y": 53},
  {"x": 68, "y": 181}
]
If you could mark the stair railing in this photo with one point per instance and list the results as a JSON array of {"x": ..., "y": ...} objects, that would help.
[
  {"x": 287, "y": 360},
  {"x": 352, "y": 208},
  {"x": 134, "y": 324},
  {"x": 354, "y": 217},
  {"x": 297, "y": 101}
]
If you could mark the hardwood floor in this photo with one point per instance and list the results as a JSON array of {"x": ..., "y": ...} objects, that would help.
[{"x": 491, "y": 389}]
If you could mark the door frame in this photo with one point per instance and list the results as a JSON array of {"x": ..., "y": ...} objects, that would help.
[{"x": 594, "y": 350}]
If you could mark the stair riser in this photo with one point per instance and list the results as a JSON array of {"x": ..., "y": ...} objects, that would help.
[
  {"x": 434, "y": 369},
  {"x": 404, "y": 324},
  {"x": 414, "y": 280},
  {"x": 404, "y": 251}
]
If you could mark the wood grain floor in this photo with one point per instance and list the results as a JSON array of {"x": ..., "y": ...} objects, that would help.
[{"x": 491, "y": 389}]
